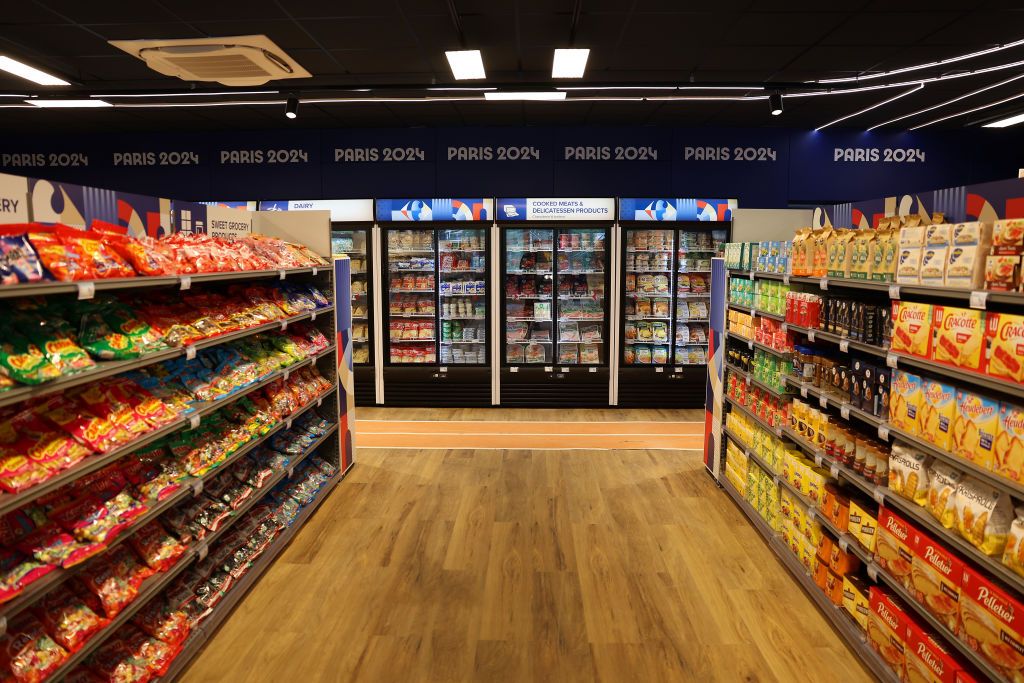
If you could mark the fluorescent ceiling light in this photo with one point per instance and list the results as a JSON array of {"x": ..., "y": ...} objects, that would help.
[
  {"x": 1003, "y": 123},
  {"x": 570, "y": 63},
  {"x": 13, "y": 66},
  {"x": 68, "y": 104},
  {"x": 190, "y": 94},
  {"x": 508, "y": 96},
  {"x": 970, "y": 111},
  {"x": 466, "y": 64},
  {"x": 947, "y": 102}
]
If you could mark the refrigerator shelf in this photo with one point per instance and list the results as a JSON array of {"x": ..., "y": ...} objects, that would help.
[
  {"x": 642, "y": 295},
  {"x": 692, "y": 272},
  {"x": 461, "y": 251},
  {"x": 528, "y": 320},
  {"x": 413, "y": 341},
  {"x": 529, "y": 251},
  {"x": 580, "y": 251},
  {"x": 360, "y": 317},
  {"x": 580, "y": 297},
  {"x": 580, "y": 341},
  {"x": 466, "y": 270},
  {"x": 461, "y": 341},
  {"x": 411, "y": 251},
  {"x": 350, "y": 251},
  {"x": 648, "y": 317},
  {"x": 411, "y": 291},
  {"x": 358, "y": 294},
  {"x": 646, "y": 341},
  {"x": 411, "y": 270},
  {"x": 693, "y": 320},
  {"x": 361, "y": 340},
  {"x": 648, "y": 251},
  {"x": 528, "y": 272},
  {"x": 581, "y": 320},
  {"x": 650, "y": 270},
  {"x": 463, "y": 317},
  {"x": 523, "y": 297},
  {"x": 445, "y": 295},
  {"x": 581, "y": 272},
  {"x": 527, "y": 341},
  {"x": 412, "y": 315}
]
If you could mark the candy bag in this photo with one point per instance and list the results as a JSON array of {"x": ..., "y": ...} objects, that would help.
[
  {"x": 53, "y": 546},
  {"x": 102, "y": 262},
  {"x": 56, "y": 342},
  {"x": 27, "y": 652},
  {"x": 88, "y": 520},
  {"x": 162, "y": 621},
  {"x": 18, "y": 571},
  {"x": 116, "y": 662},
  {"x": 114, "y": 591},
  {"x": 18, "y": 260},
  {"x": 67, "y": 618},
  {"x": 157, "y": 548},
  {"x": 153, "y": 652},
  {"x": 96, "y": 433},
  {"x": 64, "y": 264},
  {"x": 23, "y": 361}
]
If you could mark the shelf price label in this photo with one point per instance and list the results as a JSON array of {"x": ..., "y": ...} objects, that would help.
[
  {"x": 844, "y": 410},
  {"x": 811, "y": 334},
  {"x": 197, "y": 487},
  {"x": 883, "y": 432},
  {"x": 86, "y": 290},
  {"x": 894, "y": 291},
  {"x": 844, "y": 543},
  {"x": 193, "y": 421},
  {"x": 892, "y": 360},
  {"x": 785, "y": 328},
  {"x": 750, "y": 344},
  {"x": 186, "y": 282},
  {"x": 785, "y": 279},
  {"x": 282, "y": 273},
  {"x": 979, "y": 300},
  {"x": 818, "y": 460},
  {"x": 872, "y": 571},
  {"x": 803, "y": 390},
  {"x": 190, "y": 352},
  {"x": 823, "y": 283},
  {"x": 844, "y": 345},
  {"x": 879, "y": 495},
  {"x": 823, "y": 401},
  {"x": 834, "y": 471}
]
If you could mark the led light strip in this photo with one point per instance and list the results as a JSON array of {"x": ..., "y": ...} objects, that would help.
[
  {"x": 920, "y": 86},
  {"x": 970, "y": 111},
  {"x": 907, "y": 69},
  {"x": 947, "y": 102}
]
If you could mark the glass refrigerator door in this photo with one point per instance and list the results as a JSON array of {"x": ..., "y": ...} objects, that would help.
[
  {"x": 528, "y": 311},
  {"x": 412, "y": 297},
  {"x": 580, "y": 285},
  {"x": 693, "y": 298},
  {"x": 647, "y": 300},
  {"x": 462, "y": 294},
  {"x": 353, "y": 243}
]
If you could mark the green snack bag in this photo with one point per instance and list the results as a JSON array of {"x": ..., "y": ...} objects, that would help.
[
  {"x": 23, "y": 361},
  {"x": 57, "y": 342}
]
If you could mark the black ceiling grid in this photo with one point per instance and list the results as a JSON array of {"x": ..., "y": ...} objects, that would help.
[{"x": 391, "y": 43}]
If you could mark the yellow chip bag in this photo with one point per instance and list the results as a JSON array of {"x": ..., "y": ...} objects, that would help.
[
  {"x": 983, "y": 516},
  {"x": 943, "y": 482}
]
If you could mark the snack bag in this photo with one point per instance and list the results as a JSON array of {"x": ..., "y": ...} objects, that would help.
[
  {"x": 1009, "y": 444},
  {"x": 983, "y": 516},
  {"x": 905, "y": 401},
  {"x": 100, "y": 261},
  {"x": 18, "y": 261},
  {"x": 153, "y": 653},
  {"x": 156, "y": 547},
  {"x": 943, "y": 482},
  {"x": 18, "y": 571},
  {"x": 23, "y": 361},
  {"x": 938, "y": 413},
  {"x": 142, "y": 260},
  {"x": 116, "y": 661},
  {"x": 160, "y": 620},
  {"x": 54, "y": 339},
  {"x": 52, "y": 545},
  {"x": 67, "y": 618},
  {"x": 63, "y": 263},
  {"x": 1013, "y": 555},
  {"x": 27, "y": 653},
  {"x": 908, "y": 473}
]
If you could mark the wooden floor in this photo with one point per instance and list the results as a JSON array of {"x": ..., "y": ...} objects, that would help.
[{"x": 526, "y": 565}]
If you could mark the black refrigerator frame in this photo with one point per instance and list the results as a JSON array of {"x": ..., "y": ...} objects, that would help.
[
  {"x": 365, "y": 373},
  {"x": 673, "y": 384},
  {"x": 434, "y": 384},
  {"x": 553, "y": 385}
]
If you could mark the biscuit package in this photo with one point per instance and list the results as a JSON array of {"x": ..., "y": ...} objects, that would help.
[
  {"x": 959, "y": 337},
  {"x": 887, "y": 629},
  {"x": 943, "y": 482},
  {"x": 1013, "y": 555},
  {"x": 895, "y": 545},
  {"x": 1009, "y": 446},
  {"x": 991, "y": 624},
  {"x": 905, "y": 401},
  {"x": 908, "y": 473},
  {"x": 927, "y": 660},
  {"x": 912, "y": 328},
  {"x": 937, "y": 413},
  {"x": 983, "y": 516},
  {"x": 936, "y": 578},
  {"x": 1005, "y": 334},
  {"x": 974, "y": 429},
  {"x": 1008, "y": 236}
]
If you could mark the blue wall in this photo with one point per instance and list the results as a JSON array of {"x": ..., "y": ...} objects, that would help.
[{"x": 774, "y": 168}]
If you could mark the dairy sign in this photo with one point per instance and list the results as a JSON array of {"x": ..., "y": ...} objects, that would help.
[
  {"x": 342, "y": 210},
  {"x": 555, "y": 209}
]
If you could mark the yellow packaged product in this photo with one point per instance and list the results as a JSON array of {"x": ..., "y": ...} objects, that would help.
[
  {"x": 863, "y": 524},
  {"x": 959, "y": 337},
  {"x": 905, "y": 401},
  {"x": 912, "y": 236},
  {"x": 855, "y": 599},
  {"x": 912, "y": 328},
  {"x": 908, "y": 473},
  {"x": 938, "y": 235},
  {"x": 983, "y": 515},
  {"x": 938, "y": 413},
  {"x": 1013, "y": 555},
  {"x": 839, "y": 251},
  {"x": 943, "y": 482},
  {"x": 965, "y": 267},
  {"x": 1009, "y": 446},
  {"x": 933, "y": 266},
  {"x": 802, "y": 256},
  {"x": 816, "y": 480},
  {"x": 908, "y": 265},
  {"x": 1006, "y": 340},
  {"x": 972, "y": 234},
  {"x": 860, "y": 259},
  {"x": 819, "y": 266},
  {"x": 975, "y": 427}
]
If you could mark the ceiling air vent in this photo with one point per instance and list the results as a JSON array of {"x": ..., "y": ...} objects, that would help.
[{"x": 234, "y": 60}]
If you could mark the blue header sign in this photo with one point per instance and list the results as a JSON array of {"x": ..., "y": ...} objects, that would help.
[
  {"x": 342, "y": 210},
  {"x": 435, "y": 210},
  {"x": 556, "y": 208},
  {"x": 655, "y": 209}
]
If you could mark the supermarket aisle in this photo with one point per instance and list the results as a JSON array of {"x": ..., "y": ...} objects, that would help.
[{"x": 522, "y": 565}]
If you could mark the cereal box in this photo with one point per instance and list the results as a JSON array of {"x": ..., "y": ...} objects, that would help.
[
  {"x": 936, "y": 578},
  {"x": 959, "y": 337},
  {"x": 887, "y": 629},
  {"x": 937, "y": 413},
  {"x": 894, "y": 547},
  {"x": 1009, "y": 448},
  {"x": 1008, "y": 236},
  {"x": 912, "y": 328},
  {"x": 974, "y": 428},
  {"x": 991, "y": 623},
  {"x": 1006, "y": 346},
  {"x": 927, "y": 660},
  {"x": 905, "y": 401}
]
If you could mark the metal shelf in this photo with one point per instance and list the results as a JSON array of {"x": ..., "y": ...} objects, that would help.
[
  {"x": 1003, "y": 386},
  {"x": 808, "y": 390},
  {"x": 843, "y": 624},
  {"x": 841, "y": 283},
  {"x": 822, "y": 460},
  {"x": 948, "y": 636},
  {"x": 878, "y": 351}
]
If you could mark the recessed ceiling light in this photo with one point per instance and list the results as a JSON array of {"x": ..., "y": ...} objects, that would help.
[
  {"x": 569, "y": 63},
  {"x": 466, "y": 64},
  {"x": 508, "y": 96},
  {"x": 30, "y": 73},
  {"x": 1004, "y": 123},
  {"x": 68, "y": 104}
]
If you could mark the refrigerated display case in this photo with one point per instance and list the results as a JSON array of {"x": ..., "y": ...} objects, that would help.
[
  {"x": 437, "y": 312},
  {"x": 665, "y": 275},
  {"x": 352, "y": 236},
  {"x": 554, "y": 304}
]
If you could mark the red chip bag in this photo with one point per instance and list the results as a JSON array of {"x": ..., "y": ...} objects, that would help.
[
  {"x": 27, "y": 652},
  {"x": 117, "y": 663},
  {"x": 67, "y": 618},
  {"x": 157, "y": 548},
  {"x": 162, "y": 621},
  {"x": 154, "y": 653},
  {"x": 103, "y": 262},
  {"x": 96, "y": 433},
  {"x": 63, "y": 263},
  {"x": 142, "y": 260},
  {"x": 103, "y": 579}
]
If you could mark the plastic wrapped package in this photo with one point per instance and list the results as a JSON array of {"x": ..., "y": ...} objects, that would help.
[
  {"x": 18, "y": 260},
  {"x": 67, "y": 618},
  {"x": 18, "y": 571},
  {"x": 27, "y": 653},
  {"x": 158, "y": 619}
]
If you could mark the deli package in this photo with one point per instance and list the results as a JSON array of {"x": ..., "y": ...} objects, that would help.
[
  {"x": 887, "y": 629},
  {"x": 959, "y": 337},
  {"x": 991, "y": 624},
  {"x": 936, "y": 579},
  {"x": 912, "y": 328},
  {"x": 1005, "y": 334}
]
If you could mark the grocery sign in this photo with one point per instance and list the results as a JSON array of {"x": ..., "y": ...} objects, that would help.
[
  {"x": 556, "y": 209},
  {"x": 342, "y": 210},
  {"x": 661, "y": 209},
  {"x": 435, "y": 210}
]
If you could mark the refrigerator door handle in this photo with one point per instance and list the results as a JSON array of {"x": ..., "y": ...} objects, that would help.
[{"x": 378, "y": 310}]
